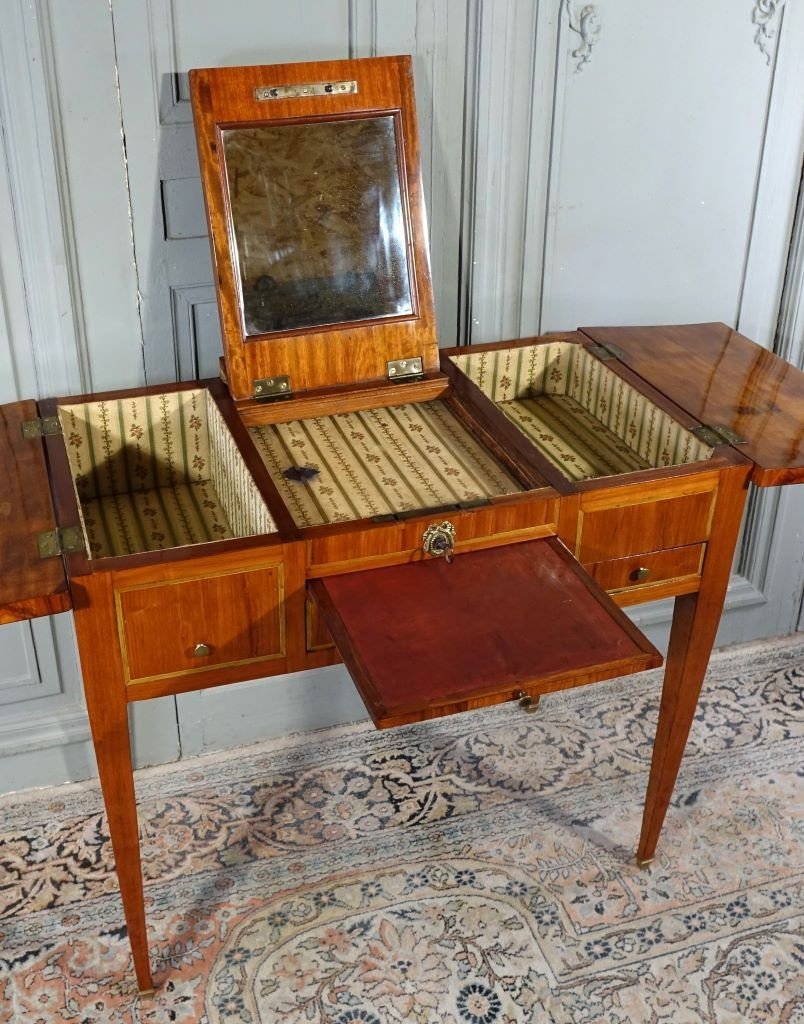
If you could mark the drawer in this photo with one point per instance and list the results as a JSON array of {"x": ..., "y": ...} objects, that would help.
[
  {"x": 197, "y": 623},
  {"x": 644, "y": 571},
  {"x": 619, "y": 529}
]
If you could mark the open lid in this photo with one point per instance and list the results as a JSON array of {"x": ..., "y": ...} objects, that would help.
[
  {"x": 728, "y": 383},
  {"x": 33, "y": 581},
  {"x": 314, "y": 199},
  {"x": 429, "y": 638}
]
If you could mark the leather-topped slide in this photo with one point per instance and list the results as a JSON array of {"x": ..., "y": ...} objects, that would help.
[
  {"x": 429, "y": 638},
  {"x": 29, "y": 584}
]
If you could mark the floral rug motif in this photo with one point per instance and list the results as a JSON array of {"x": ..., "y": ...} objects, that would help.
[{"x": 473, "y": 870}]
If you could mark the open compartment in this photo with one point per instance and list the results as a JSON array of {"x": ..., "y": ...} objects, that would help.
[
  {"x": 379, "y": 462},
  {"x": 158, "y": 471},
  {"x": 578, "y": 412}
]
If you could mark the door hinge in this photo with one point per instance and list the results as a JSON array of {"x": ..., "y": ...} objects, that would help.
[
  {"x": 717, "y": 435},
  {"x": 68, "y": 540},
  {"x": 270, "y": 388},
  {"x": 606, "y": 352},
  {"x": 45, "y": 426},
  {"x": 404, "y": 369}
]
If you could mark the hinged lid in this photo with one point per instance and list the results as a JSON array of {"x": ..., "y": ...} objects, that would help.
[
  {"x": 29, "y": 586},
  {"x": 727, "y": 382},
  {"x": 314, "y": 198},
  {"x": 430, "y": 638}
]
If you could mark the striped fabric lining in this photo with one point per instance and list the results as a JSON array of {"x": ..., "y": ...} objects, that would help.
[
  {"x": 543, "y": 388},
  {"x": 159, "y": 471},
  {"x": 377, "y": 462},
  {"x": 571, "y": 437}
]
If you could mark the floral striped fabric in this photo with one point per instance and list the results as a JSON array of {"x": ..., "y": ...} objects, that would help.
[
  {"x": 377, "y": 462},
  {"x": 158, "y": 471},
  {"x": 578, "y": 412}
]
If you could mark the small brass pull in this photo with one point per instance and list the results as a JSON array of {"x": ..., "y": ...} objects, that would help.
[
  {"x": 528, "y": 703},
  {"x": 202, "y": 650},
  {"x": 642, "y": 573}
]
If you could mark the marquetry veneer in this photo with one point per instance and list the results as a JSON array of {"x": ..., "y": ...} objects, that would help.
[{"x": 459, "y": 527}]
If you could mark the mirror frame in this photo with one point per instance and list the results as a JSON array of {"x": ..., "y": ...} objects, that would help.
[{"x": 334, "y": 354}]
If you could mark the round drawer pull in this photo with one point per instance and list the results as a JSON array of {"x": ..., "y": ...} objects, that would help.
[
  {"x": 528, "y": 703},
  {"x": 642, "y": 573},
  {"x": 202, "y": 650}
]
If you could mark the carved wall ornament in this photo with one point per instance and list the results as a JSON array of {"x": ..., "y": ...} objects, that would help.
[
  {"x": 766, "y": 16},
  {"x": 586, "y": 22}
]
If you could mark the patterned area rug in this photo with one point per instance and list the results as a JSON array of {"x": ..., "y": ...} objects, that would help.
[{"x": 474, "y": 870}]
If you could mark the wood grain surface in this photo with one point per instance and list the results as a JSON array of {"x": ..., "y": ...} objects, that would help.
[
  {"x": 723, "y": 379},
  {"x": 29, "y": 586}
]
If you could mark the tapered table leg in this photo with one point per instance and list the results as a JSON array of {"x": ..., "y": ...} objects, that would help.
[
  {"x": 105, "y": 692},
  {"x": 695, "y": 621}
]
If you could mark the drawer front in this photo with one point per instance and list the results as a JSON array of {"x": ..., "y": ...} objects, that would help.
[
  {"x": 640, "y": 572},
  {"x": 194, "y": 624},
  {"x": 347, "y": 549},
  {"x": 626, "y": 529}
]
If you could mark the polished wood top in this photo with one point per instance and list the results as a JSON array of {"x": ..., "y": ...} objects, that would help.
[
  {"x": 29, "y": 586},
  {"x": 724, "y": 380},
  {"x": 427, "y": 639}
]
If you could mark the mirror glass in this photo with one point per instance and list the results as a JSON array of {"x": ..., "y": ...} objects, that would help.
[{"x": 318, "y": 223}]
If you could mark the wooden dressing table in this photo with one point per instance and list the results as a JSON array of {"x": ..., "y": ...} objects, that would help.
[{"x": 347, "y": 490}]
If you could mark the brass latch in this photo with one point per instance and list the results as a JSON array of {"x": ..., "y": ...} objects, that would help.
[
  {"x": 272, "y": 387},
  {"x": 47, "y": 426},
  {"x": 66, "y": 541},
  {"x": 715, "y": 435},
  {"x": 403, "y": 369}
]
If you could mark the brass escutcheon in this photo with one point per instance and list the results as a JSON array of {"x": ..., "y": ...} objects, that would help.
[{"x": 439, "y": 540}]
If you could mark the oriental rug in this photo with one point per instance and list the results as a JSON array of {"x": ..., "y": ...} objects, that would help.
[{"x": 474, "y": 870}]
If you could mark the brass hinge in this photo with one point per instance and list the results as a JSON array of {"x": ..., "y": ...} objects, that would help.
[
  {"x": 271, "y": 388},
  {"x": 717, "y": 435},
  {"x": 47, "y": 426},
  {"x": 606, "y": 352},
  {"x": 404, "y": 369},
  {"x": 66, "y": 541}
]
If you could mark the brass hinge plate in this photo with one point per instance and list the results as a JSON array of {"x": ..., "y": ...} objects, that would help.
[
  {"x": 47, "y": 426},
  {"x": 270, "y": 388},
  {"x": 404, "y": 369},
  {"x": 717, "y": 435},
  {"x": 66, "y": 541},
  {"x": 606, "y": 352}
]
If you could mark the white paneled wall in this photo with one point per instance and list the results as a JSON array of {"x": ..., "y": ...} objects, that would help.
[{"x": 583, "y": 163}]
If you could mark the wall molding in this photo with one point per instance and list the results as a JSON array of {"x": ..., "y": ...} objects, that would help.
[
  {"x": 585, "y": 23},
  {"x": 766, "y": 18},
  {"x": 40, "y": 197}
]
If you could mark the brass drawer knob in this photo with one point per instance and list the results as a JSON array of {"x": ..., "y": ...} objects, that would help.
[
  {"x": 202, "y": 650},
  {"x": 642, "y": 573},
  {"x": 528, "y": 703}
]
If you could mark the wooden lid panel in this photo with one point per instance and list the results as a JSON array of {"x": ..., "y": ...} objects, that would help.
[
  {"x": 429, "y": 638},
  {"x": 337, "y": 353},
  {"x": 723, "y": 380},
  {"x": 29, "y": 585}
]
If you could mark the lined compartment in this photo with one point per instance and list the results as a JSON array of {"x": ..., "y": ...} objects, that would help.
[
  {"x": 578, "y": 412},
  {"x": 378, "y": 462},
  {"x": 158, "y": 471}
]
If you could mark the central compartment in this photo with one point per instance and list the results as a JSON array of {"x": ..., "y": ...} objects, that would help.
[
  {"x": 158, "y": 471},
  {"x": 581, "y": 415},
  {"x": 381, "y": 461}
]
